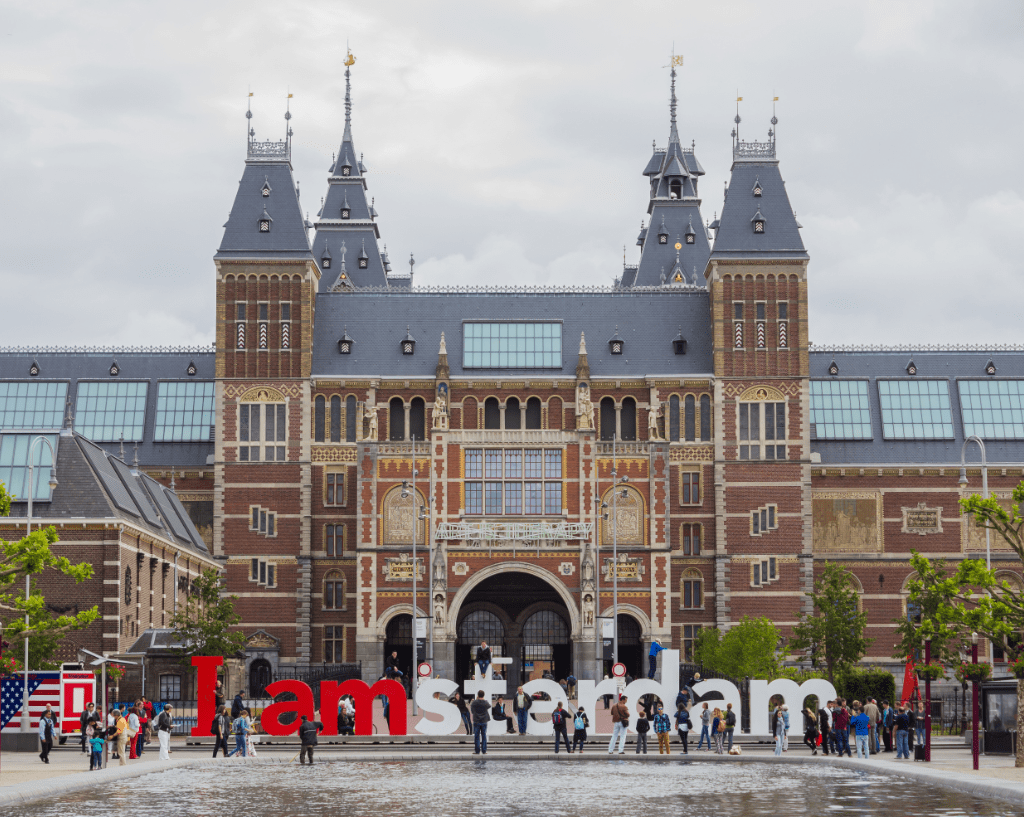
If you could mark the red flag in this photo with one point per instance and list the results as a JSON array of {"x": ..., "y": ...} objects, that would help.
[{"x": 909, "y": 681}]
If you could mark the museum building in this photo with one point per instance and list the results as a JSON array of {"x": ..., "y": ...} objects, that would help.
[{"x": 670, "y": 448}]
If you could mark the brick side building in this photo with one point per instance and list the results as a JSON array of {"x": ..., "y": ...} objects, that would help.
[{"x": 671, "y": 447}]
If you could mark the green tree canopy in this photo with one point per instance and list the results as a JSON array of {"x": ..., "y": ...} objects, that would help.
[
  {"x": 751, "y": 648},
  {"x": 832, "y": 636},
  {"x": 30, "y": 556},
  {"x": 203, "y": 625}
]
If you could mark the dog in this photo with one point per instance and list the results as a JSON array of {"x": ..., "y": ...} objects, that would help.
[{"x": 735, "y": 750}]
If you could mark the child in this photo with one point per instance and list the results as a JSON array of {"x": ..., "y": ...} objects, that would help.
[
  {"x": 643, "y": 726},
  {"x": 96, "y": 742},
  {"x": 683, "y": 725}
]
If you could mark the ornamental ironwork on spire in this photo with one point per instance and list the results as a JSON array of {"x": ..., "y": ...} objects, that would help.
[{"x": 279, "y": 151}]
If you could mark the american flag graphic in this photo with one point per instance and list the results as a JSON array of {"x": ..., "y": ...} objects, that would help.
[{"x": 43, "y": 691}]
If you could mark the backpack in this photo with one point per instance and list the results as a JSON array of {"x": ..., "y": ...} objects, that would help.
[
  {"x": 579, "y": 723},
  {"x": 213, "y": 726},
  {"x": 239, "y": 727},
  {"x": 557, "y": 718}
]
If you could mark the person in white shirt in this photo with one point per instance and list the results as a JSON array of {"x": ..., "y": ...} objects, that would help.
[{"x": 133, "y": 729}]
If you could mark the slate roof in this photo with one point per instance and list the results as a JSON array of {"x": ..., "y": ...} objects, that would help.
[
  {"x": 950, "y": 365},
  {"x": 735, "y": 237},
  {"x": 72, "y": 365},
  {"x": 656, "y": 258},
  {"x": 647, "y": 320},
  {"x": 287, "y": 237},
  {"x": 93, "y": 484}
]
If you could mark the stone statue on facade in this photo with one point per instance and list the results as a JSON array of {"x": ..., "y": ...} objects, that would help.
[
  {"x": 439, "y": 611},
  {"x": 371, "y": 415},
  {"x": 652, "y": 421},
  {"x": 584, "y": 408},
  {"x": 441, "y": 407},
  {"x": 588, "y": 611}
]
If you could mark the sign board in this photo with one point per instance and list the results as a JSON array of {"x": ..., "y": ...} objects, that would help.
[
  {"x": 607, "y": 628},
  {"x": 424, "y": 670},
  {"x": 619, "y": 670},
  {"x": 421, "y": 627}
]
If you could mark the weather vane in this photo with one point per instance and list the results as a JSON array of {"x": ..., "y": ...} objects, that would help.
[{"x": 350, "y": 59}]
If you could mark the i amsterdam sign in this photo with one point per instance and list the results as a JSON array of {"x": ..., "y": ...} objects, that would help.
[{"x": 442, "y": 718}]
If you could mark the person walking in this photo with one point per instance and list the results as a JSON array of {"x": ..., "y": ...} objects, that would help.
[
  {"x": 521, "y": 704},
  {"x": 164, "y": 724},
  {"x": 823, "y": 727},
  {"x": 121, "y": 733},
  {"x": 88, "y": 716},
  {"x": 730, "y": 725},
  {"x": 811, "y": 730},
  {"x": 240, "y": 728},
  {"x": 460, "y": 704},
  {"x": 683, "y": 726},
  {"x": 46, "y": 727},
  {"x": 652, "y": 658},
  {"x": 902, "y": 723},
  {"x": 481, "y": 714},
  {"x": 861, "y": 723},
  {"x": 558, "y": 718},
  {"x": 643, "y": 726},
  {"x": 874, "y": 719},
  {"x": 237, "y": 706},
  {"x": 620, "y": 723},
  {"x": 662, "y": 728},
  {"x": 705, "y": 727},
  {"x": 483, "y": 658},
  {"x": 778, "y": 729},
  {"x": 219, "y": 727},
  {"x": 580, "y": 724},
  {"x": 718, "y": 730},
  {"x": 308, "y": 730}
]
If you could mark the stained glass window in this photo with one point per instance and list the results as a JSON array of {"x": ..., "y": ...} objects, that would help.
[
  {"x": 184, "y": 411},
  {"x": 106, "y": 411},
  {"x": 840, "y": 409},
  {"x": 992, "y": 409},
  {"x": 512, "y": 346},
  {"x": 915, "y": 410},
  {"x": 14, "y": 464},
  {"x": 32, "y": 405}
]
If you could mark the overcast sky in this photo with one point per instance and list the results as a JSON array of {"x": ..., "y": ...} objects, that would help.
[{"x": 505, "y": 144}]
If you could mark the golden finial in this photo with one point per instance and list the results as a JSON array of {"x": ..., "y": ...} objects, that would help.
[
  {"x": 677, "y": 60},
  {"x": 350, "y": 59}
]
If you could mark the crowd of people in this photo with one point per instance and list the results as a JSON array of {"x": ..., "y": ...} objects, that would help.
[
  {"x": 867, "y": 726},
  {"x": 127, "y": 729}
]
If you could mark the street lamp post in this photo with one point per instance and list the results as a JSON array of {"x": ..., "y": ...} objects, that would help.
[
  {"x": 25, "y": 726},
  {"x": 602, "y": 516},
  {"x": 984, "y": 486},
  {"x": 615, "y": 553},
  {"x": 974, "y": 702},
  {"x": 928, "y": 702},
  {"x": 418, "y": 514}
]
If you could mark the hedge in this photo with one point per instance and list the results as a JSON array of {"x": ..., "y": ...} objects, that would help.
[{"x": 859, "y": 684}]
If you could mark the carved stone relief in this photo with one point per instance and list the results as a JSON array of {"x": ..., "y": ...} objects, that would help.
[
  {"x": 400, "y": 568},
  {"x": 848, "y": 522},
  {"x": 629, "y": 511},
  {"x": 630, "y": 569},
  {"x": 922, "y": 520}
]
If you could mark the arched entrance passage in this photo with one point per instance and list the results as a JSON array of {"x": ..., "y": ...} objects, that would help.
[
  {"x": 398, "y": 638},
  {"x": 260, "y": 676},
  {"x": 532, "y": 615},
  {"x": 631, "y": 646}
]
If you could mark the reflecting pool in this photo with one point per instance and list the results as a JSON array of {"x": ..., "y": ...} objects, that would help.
[{"x": 503, "y": 788}]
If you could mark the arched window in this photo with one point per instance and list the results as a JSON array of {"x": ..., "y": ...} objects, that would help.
[
  {"x": 673, "y": 418},
  {"x": 350, "y": 419},
  {"x": 690, "y": 414},
  {"x": 335, "y": 419},
  {"x": 691, "y": 590},
  {"x": 626, "y": 506},
  {"x": 334, "y": 591},
  {"x": 481, "y": 625},
  {"x": 628, "y": 419},
  {"x": 705, "y": 418},
  {"x": 417, "y": 418},
  {"x": 513, "y": 416},
  {"x": 532, "y": 412},
  {"x": 396, "y": 417},
  {"x": 492, "y": 413},
  {"x": 469, "y": 418},
  {"x": 554, "y": 413},
  {"x": 319, "y": 412},
  {"x": 607, "y": 418}
]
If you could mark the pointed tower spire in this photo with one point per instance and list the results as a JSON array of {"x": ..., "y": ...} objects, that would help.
[
  {"x": 349, "y": 62},
  {"x": 583, "y": 365},
  {"x": 673, "y": 134},
  {"x": 442, "y": 371}
]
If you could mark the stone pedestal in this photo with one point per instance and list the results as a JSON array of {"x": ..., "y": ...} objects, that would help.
[
  {"x": 20, "y": 742},
  {"x": 584, "y": 665}
]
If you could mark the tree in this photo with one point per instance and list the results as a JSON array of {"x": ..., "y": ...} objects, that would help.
[
  {"x": 203, "y": 626},
  {"x": 30, "y": 556},
  {"x": 751, "y": 648},
  {"x": 832, "y": 635},
  {"x": 928, "y": 590}
]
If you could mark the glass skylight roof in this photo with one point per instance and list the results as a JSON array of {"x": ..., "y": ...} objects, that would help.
[
  {"x": 992, "y": 409},
  {"x": 511, "y": 345},
  {"x": 915, "y": 409},
  {"x": 32, "y": 405},
  {"x": 14, "y": 464},
  {"x": 840, "y": 409},
  {"x": 105, "y": 411},
  {"x": 184, "y": 411}
]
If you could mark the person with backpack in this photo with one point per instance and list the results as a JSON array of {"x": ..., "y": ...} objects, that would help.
[
  {"x": 652, "y": 658},
  {"x": 521, "y": 704},
  {"x": 662, "y": 727},
  {"x": 705, "y": 727},
  {"x": 236, "y": 706},
  {"x": 219, "y": 727},
  {"x": 558, "y": 719},
  {"x": 164, "y": 724},
  {"x": 481, "y": 714},
  {"x": 620, "y": 723},
  {"x": 643, "y": 726},
  {"x": 308, "y": 730},
  {"x": 240, "y": 728},
  {"x": 730, "y": 725},
  {"x": 580, "y": 724},
  {"x": 683, "y": 726}
]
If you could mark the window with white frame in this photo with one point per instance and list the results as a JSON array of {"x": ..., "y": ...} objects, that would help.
[
  {"x": 262, "y": 521},
  {"x": 170, "y": 687},
  {"x": 692, "y": 590},
  {"x": 764, "y": 572},
  {"x": 263, "y": 572},
  {"x": 762, "y": 431},
  {"x": 262, "y": 430},
  {"x": 513, "y": 482},
  {"x": 764, "y": 519}
]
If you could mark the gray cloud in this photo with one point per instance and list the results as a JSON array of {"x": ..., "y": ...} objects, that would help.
[{"x": 505, "y": 144}]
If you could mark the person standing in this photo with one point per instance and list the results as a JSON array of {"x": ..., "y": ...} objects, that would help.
[
  {"x": 219, "y": 727},
  {"x": 561, "y": 727},
  {"x": 140, "y": 738},
  {"x": 308, "y": 730},
  {"x": 841, "y": 728},
  {"x": 784, "y": 709},
  {"x": 121, "y": 733},
  {"x": 87, "y": 716},
  {"x": 888, "y": 720},
  {"x": 46, "y": 726},
  {"x": 481, "y": 713},
  {"x": 164, "y": 724},
  {"x": 620, "y": 723},
  {"x": 240, "y": 726},
  {"x": 218, "y": 695},
  {"x": 705, "y": 727},
  {"x": 112, "y": 717},
  {"x": 823, "y": 728},
  {"x": 237, "y": 706},
  {"x": 579, "y": 729},
  {"x": 778, "y": 729},
  {"x": 250, "y": 744},
  {"x": 874, "y": 719},
  {"x": 134, "y": 728},
  {"x": 652, "y": 658},
  {"x": 483, "y": 658},
  {"x": 607, "y": 698},
  {"x": 96, "y": 745},
  {"x": 571, "y": 687},
  {"x": 902, "y": 722},
  {"x": 460, "y": 704},
  {"x": 861, "y": 723},
  {"x": 683, "y": 726},
  {"x": 730, "y": 725},
  {"x": 662, "y": 728},
  {"x": 718, "y": 730},
  {"x": 521, "y": 704},
  {"x": 919, "y": 724},
  {"x": 811, "y": 730},
  {"x": 913, "y": 726},
  {"x": 643, "y": 726}
]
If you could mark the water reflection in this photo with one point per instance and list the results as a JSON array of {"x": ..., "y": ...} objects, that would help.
[{"x": 513, "y": 788}]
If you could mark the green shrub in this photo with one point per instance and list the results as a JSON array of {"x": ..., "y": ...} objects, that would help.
[{"x": 861, "y": 683}]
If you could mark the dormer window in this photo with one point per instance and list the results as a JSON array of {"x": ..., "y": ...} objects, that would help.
[
  {"x": 346, "y": 171},
  {"x": 115, "y": 370},
  {"x": 990, "y": 368},
  {"x": 345, "y": 343},
  {"x": 346, "y": 213},
  {"x": 325, "y": 262},
  {"x": 266, "y": 187},
  {"x": 408, "y": 343},
  {"x": 690, "y": 238},
  {"x": 675, "y": 189},
  {"x": 758, "y": 221},
  {"x": 363, "y": 263},
  {"x": 679, "y": 344},
  {"x": 757, "y": 187},
  {"x": 265, "y": 221},
  {"x": 616, "y": 343},
  {"x": 912, "y": 368},
  {"x": 833, "y": 368},
  {"x": 191, "y": 370},
  {"x": 364, "y": 259},
  {"x": 691, "y": 235},
  {"x": 662, "y": 238},
  {"x": 33, "y": 370}
]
